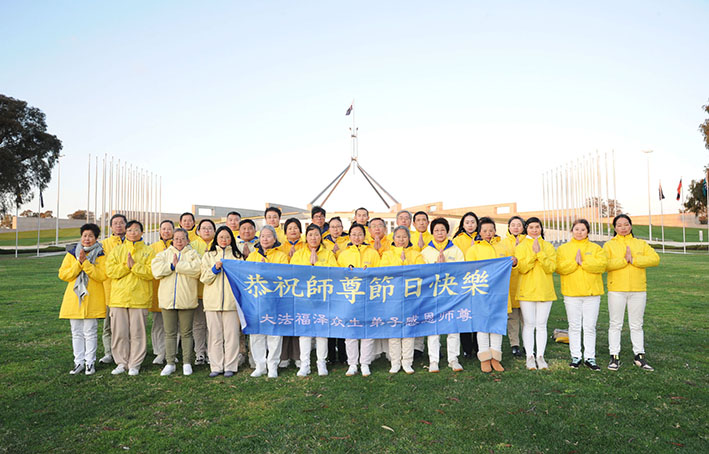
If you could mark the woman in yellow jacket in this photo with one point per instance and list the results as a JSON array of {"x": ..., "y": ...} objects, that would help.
[
  {"x": 220, "y": 306},
  {"x": 536, "y": 265},
  {"x": 129, "y": 267},
  {"x": 266, "y": 252},
  {"x": 489, "y": 246},
  {"x": 157, "y": 332},
  {"x": 205, "y": 230},
  {"x": 581, "y": 265},
  {"x": 628, "y": 257},
  {"x": 358, "y": 255},
  {"x": 401, "y": 351},
  {"x": 316, "y": 254},
  {"x": 84, "y": 303},
  {"x": 515, "y": 234},
  {"x": 294, "y": 243},
  {"x": 177, "y": 268},
  {"x": 464, "y": 238},
  {"x": 439, "y": 250},
  {"x": 334, "y": 239}
]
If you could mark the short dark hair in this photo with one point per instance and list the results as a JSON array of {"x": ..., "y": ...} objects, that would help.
[
  {"x": 584, "y": 222},
  {"x": 92, "y": 227},
  {"x": 295, "y": 221},
  {"x": 313, "y": 227},
  {"x": 317, "y": 209},
  {"x": 118, "y": 215},
  {"x": 274, "y": 209},
  {"x": 441, "y": 221},
  {"x": 362, "y": 208},
  {"x": 233, "y": 213},
  {"x": 356, "y": 226},
  {"x": 534, "y": 219},
  {"x": 377, "y": 219},
  {"x": 134, "y": 222},
  {"x": 419, "y": 212},
  {"x": 187, "y": 213},
  {"x": 335, "y": 218},
  {"x": 486, "y": 220},
  {"x": 206, "y": 220},
  {"x": 164, "y": 221},
  {"x": 181, "y": 230},
  {"x": 247, "y": 221}
]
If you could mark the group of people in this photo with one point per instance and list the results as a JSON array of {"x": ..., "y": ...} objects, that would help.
[{"x": 180, "y": 280}]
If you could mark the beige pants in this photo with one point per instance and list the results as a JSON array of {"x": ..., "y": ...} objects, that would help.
[
  {"x": 223, "y": 347},
  {"x": 157, "y": 334},
  {"x": 129, "y": 337},
  {"x": 514, "y": 320},
  {"x": 199, "y": 331},
  {"x": 452, "y": 347},
  {"x": 172, "y": 319},
  {"x": 106, "y": 334},
  {"x": 401, "y": 351}
]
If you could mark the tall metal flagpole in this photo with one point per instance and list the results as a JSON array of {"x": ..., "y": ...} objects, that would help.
[
  {"x": 615, "y": 194},
  {"x": 684, "y": 233},
  {"x": 59, "y": 176},
  {"x": 661, "y": 195},
  {"x": 608, "y": 202},
  {"x": 706, "y": 187},
  {"x": 88, "y": 192},
  {"x": 599, "y": 191},
  {"x": 96, "y": 193},
  {"x": 103, "y": 198},
  {"x": 649, "y": 206},
  {"x": 544, "y": 198},
  {"x": 17, "y": 227},
  {"x": 110, "y": 196},
  {"x": 39, "y": 217}
]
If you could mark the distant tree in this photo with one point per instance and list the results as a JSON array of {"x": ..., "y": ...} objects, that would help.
[
  {"x": 28, "y": 214},
  {"x": 6, "y": 221},
  {"x": 615, "y": 206},
  {"x": 704, "y": 127},
  {"x": 27, "y": 152},
  {"x": 81, "y": 214},
  {"x": 47, "y": 214},
  {"x": 697, "y": 199}
]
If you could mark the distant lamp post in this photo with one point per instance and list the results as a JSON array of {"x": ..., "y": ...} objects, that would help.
[{"x": 649, "y": 209}]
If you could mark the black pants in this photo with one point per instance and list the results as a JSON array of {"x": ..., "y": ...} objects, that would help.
[
  {"x": 469, "y": 343},
  {"x": 336, "y": 350}
]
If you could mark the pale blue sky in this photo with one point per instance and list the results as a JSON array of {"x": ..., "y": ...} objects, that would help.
[{"x": 239, "y": 103}]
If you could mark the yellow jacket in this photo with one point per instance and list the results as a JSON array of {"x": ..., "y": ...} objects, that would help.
[
  {"x": 325, "y": 257},
  {"x": 178, "y": 285},
  {"x": 201, "y": 247},
  {"x": 109, "y": 244},
  {"x": 536, "y": 282},
  {"x": 451, "y": 252},
  {"x": 584, "y": 280},
  {"x": 358, "y": 256},
  {"x": 272, "y": 256},
  {"x": 624, "y": 276},
  {"x": 511, "y": 242},
  {"x": 158, "y": 247},
  {"x": 94, "y": 303},
  {"x": 485, "y": 250},
  {"x": 427, "y": 238},
  {"x": 131, "y": 287},
  {"x": 286, "y": 246},
  {"x": 463, "y": 241},
  {"x": 392, "y": 257},
  {"x": 218, "y": 295},
  {"x": 192, "y": 234},
  {"x": 384, "y": 246},
  {"x": 341, "y": 240}
]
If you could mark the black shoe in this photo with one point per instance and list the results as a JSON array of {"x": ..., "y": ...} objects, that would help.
[
  {"x": 516, "y": 352},
  {"x": 614, "y": 364},
  {"x": 641, "y": 363},
  {"x": 575, "y": 363},
  {"x": 591, "y": 364},
  {"x": 418, "y": 354}
]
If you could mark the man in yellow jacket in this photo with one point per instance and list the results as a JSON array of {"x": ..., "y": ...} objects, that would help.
[
  {"x": 187, "y": 222},
  {"x": 272, "y": 216},
  {"x": 157, "y": 332},
  {"x": 118, "y": 233},
  {"x": 420, "y": 237},
  {"x": 233, "y": 218}
]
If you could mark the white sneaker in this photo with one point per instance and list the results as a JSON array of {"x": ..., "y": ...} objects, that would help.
[
  {"x": 118, "y": 370},
  {"x": 455, "y": 365},
  {"x": 365, "y": 370},
  {"x": 322, "y": 368},
  {"x": 106, "y": 359},
  {"x": 283, "y": 364},
  {"x": 78, "y": 368},
  {"x": 187, "y": 369},
  {"x": 273, "y": 373},
  {"x": 297, "y": 363},
  {"x": 168, "y": 370},
  {"x": 304, "y": 371},
  {"x": 408, "y": 369},
  {"x": 531, "y": 365},
  {"x": 433, "y": 367},
  {"x": 133, "y": 371},
  {"x": 90, "y": 369},
  {"x": 160, "y": 359},
  {"x": 258, "y": 372},
  {"x": 395, "y": 368},
  {"x": 352, "y": 370},
  {"x": 201, "y": 359},
  {"x": 541, "y": 364}
]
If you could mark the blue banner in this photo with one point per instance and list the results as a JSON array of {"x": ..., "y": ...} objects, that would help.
[{"x": 376, "y": 303}]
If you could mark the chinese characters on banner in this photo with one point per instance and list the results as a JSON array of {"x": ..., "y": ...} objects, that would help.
[{"x": 388, "y": 302}]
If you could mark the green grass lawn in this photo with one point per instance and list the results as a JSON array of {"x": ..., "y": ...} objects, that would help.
[
  {"x": 45, "y": 236},
  {"x": 671, "y": 233},
  {"x": 44, "y": 409}
]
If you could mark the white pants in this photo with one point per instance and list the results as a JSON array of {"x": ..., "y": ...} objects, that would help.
[
  {"x": 401, "y": 351},
  {"x": 84, "y": 339},
  {"x": 306, "y": 344},
  {"x": 452, "y": 347},
  {"x": 157, "y": 334},
  {"x": 535, "y": 315},
  {"x": 487, "y": 343},
  {"x": 419, "y": 343},
  {"x": 616, "y": 312},
  {"x": 259, "y": 343},
  {"x": 582, "y": 311},
  {"x": 359, "y": 351}
]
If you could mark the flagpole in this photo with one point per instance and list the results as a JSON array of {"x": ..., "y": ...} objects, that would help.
[
  {"x": 706, "y": 187},
  {"x": 684, "y": 234},
  {"x": 17, "y": 227},
  {"x": 96, "y": 194},
  {"x": 615, "y": 194},
  {"x": 88, "y": 192},
  {"x": 39, "y": 217},
  {"x": 608, "y": 202},
  {"x": 649, "y": 207},
  {"x": 59, "y": 176},
  {"x": 103, "y": 198},
  {"x": 662, "y": 217}
]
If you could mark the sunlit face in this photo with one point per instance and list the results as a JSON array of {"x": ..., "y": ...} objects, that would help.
[
  {"x": 440, "y": 233},
  {"x": 293, "y": 232},
  {"x": 534, "y": 229},
  {"x": 357, "y": 236},
  {"x": 361, "y": 216},
  {"x": 377, "y": 229},
  {"x": 232, "y": 221},
  {"x": 88, "y": 238},
  {"x": 166, "y": 231},
  {"x": 179, "y": 241},
  {"x": 313, "y": 238},
  {"x": 404, "y": 219},
  {"x": 206, "y": 231},
  {"x": 469, "y": 225},
  {"x": 623, "y": 227},
  {"x": 273, "y": 219},
  {"x": 335, "y": 228},
  {"x": 267, "y": 239},
  {"x": 247, "y": 232},
  {"x": 516, "y": 227},
  {"x": 421, "y": 222},
  {"x": 487, "y": 231},
  {"x": 580, "y": 232},
  {"x": 401, "y": 239},
  {"x": 223, "y": 239},
  {"x": 187, "y": 222},
  {"x": 134, "y": 233},
  {"x": 118, "y": 226},
  {"x": 319, "y": 219}
]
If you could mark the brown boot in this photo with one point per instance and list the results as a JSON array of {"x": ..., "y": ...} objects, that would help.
[
  {"x": 485, "y": 366},
  {"x": 496, "y": 365}
]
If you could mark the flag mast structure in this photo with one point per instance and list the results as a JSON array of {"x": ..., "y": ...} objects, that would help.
[{"x": 354, "y": 164}]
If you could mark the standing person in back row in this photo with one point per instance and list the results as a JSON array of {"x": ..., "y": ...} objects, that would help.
[
  {"x": 515, "y": 234},
  {"x": 272, "y": 216},
  {"x": 420, "y": 236},
  {"x": 157, "y": 332},
  {"x": 118, "y": 234},
  {"x": 205, "y": 230},
  {"x": 233, "y": 218},
  {"x": 318, "y": 215},
  {"x": 187, "y": 222},
  {"x": 628, "y": 257}
]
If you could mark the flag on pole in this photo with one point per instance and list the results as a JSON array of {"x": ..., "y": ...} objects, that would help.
[
  {"x": 705, "y": 185},
  {"x": 679, "y": 189},
  {"x": 662, "y": 194},
  {"x": 349, "y": 109},
  {"x": 41, "y": 199}
]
